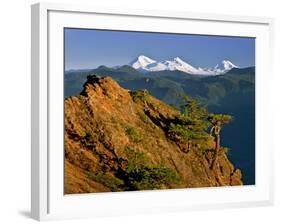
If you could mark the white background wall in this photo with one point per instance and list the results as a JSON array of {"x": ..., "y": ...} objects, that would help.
[{"x": 15, "y": 110}]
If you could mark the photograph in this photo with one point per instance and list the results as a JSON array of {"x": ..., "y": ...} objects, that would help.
[{"x": 157, "y": 111}]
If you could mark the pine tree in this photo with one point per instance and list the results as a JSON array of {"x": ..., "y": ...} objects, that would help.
[
  {"x": 192, "y": 124},
  {"x": 217, "y": 121}
]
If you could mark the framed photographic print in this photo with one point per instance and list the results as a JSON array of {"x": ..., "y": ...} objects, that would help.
[{"x": 148, "y": 111}]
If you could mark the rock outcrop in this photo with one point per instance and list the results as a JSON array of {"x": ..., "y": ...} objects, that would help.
[{"x": 117, "y": 140}]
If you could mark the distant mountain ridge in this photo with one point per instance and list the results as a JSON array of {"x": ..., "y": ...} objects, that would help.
[
  {"x": 232, "y": 92},
  {"x": 145, "y": 64}
]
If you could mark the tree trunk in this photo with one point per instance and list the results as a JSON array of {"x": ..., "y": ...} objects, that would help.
[{"x": 214, "y": 162}]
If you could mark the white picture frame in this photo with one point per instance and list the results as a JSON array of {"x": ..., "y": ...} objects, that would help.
[{"x": 47, "y": 199}]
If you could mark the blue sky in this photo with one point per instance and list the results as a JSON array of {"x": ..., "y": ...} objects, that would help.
[{"x": 85, "y": 48}]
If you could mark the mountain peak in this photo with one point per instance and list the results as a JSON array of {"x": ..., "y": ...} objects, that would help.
[
  {"x": 146, "y": 64},
  {"x": 143, "y": 57},
  {"x": 224, "y": 67},
  {"x": 228, "y": 64},
  {"x": 178, "y": 59},
  {"x": 141, "y": 62}
]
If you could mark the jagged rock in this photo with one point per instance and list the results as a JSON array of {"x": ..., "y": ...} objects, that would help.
[{"x": 106, "y": 119}]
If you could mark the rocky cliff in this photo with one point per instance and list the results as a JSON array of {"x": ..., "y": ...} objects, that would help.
[{"x": 118, "y": 140}]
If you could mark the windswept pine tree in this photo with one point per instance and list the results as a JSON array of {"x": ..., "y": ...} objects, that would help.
[
  {"x": 190, "y": 127},
  {"x": 217, "y": 121}
]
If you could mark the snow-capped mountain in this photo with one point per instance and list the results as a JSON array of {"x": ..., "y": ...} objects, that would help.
[
  {"x": 144, "y": 63},
  {"x": 179, "y": 64}
]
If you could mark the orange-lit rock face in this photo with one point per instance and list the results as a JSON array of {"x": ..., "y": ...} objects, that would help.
[{"x": 106, "y": 121}]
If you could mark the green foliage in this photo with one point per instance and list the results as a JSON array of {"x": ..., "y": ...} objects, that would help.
[
  {"x": 191, "y": 124},
  {"x": 184, "y": 134},
  {"x": 140, "y": 95},
  {"x": 169, "y": 85},
  {"x": 219, "y": 118},
  {"x": 109, "y": 181},
  {"x": 194, "y": 115},
  {"x": 140, "y": 175},
  {"x": 134, "y": 134},
  {"x": 149, "y": 178},
  {"x": 136, "y": 160},
  {"x": 193, "y": 108}
]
